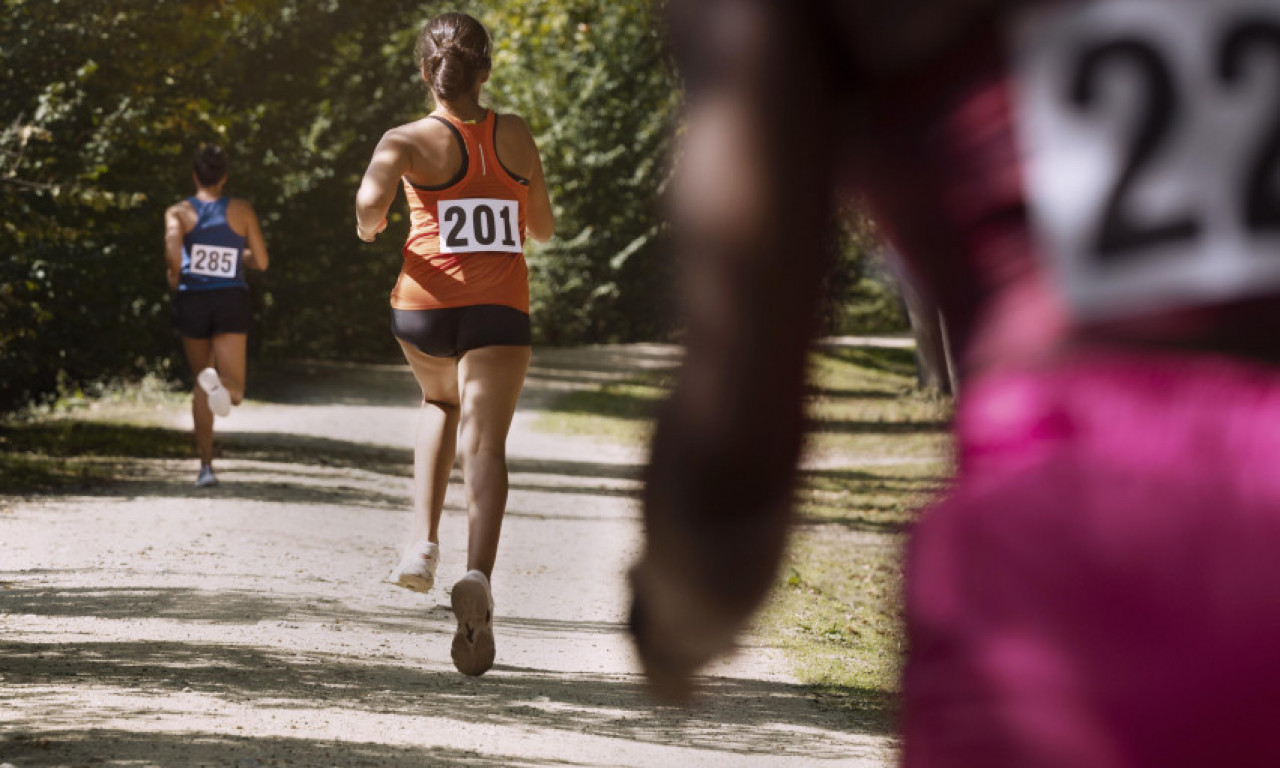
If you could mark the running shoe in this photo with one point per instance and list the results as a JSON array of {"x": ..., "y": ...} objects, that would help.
[
  {"x": 206, "y": 477},
  {"x": 472, "y": 602},
  {"x": 219, "y": 397},
  {"x": 417, "y": 568}
]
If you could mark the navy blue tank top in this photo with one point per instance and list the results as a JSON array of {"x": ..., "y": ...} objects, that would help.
[{"x": 212, "y": 252}]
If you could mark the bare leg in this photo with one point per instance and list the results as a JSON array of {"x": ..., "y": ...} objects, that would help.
[
  {"x": 491, "y": 380},
  {"x": 229, "y": 359},
  {"x": 200, "y": 356},
  {"x": 437, "y": 440}
]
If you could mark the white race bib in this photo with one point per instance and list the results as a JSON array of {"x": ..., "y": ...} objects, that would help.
[
  {"x": 479, "y": 224},
  {"x": 1151, "y": 131},
  {"x": 213, "y": 260}
]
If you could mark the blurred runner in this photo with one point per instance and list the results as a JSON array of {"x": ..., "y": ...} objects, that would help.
[
  {"x": 1088, "y": 191},
  {"x": 209, "y": 240}
]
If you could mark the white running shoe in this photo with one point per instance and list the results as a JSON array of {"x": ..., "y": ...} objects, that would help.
[
  {"x": 206, "y": 477},
  {"x": 417, "y": 568},
  {"x": 219, "y": 397},
  {"x": 472, "y": 601}
]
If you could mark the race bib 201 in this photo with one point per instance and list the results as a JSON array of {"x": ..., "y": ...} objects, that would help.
[{"x": 479, "y": 224}]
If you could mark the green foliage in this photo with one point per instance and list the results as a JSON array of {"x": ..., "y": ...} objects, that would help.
[
  {"x": 860, "y": 296},
  {"x": 105, "y": 100},
  {"x": 592, "y": 80}
]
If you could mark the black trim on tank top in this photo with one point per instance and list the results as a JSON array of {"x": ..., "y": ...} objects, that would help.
[
  {"x": 519, "y": 179},
  {"x": 466, "y": 160}
]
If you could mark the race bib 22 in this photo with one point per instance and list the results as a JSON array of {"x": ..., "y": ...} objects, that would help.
[{"x": 1151, "y": 132}]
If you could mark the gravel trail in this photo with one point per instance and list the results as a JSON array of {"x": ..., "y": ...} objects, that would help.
[{"x": 248, "y": 624}]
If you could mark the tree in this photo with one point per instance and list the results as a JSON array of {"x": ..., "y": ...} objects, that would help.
[{"x": 593, "y": 81}]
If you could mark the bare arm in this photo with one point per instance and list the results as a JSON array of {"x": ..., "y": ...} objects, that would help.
[
  {"x": 173, "y": 233},
  {"x": 255, "y": 252},
  {"x": 540, "y": 222},
  {"x": 378, "y": 188},
  {"x": 518, "y": 152}
]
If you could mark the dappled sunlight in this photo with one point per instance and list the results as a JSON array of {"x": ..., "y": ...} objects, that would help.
[{"x": 249, "y": 621}]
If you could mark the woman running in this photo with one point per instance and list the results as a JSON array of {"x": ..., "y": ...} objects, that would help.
[
  {"x": 460, "y": 308},
  {"x": 208, "y": 241}
]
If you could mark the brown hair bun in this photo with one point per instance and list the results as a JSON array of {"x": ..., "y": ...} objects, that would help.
[{"x": 453, "y": 51}]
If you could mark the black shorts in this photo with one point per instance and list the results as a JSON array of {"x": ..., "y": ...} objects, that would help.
[
  {"x": 450, "y": 332},
  {"x": 204, "y": 314}
]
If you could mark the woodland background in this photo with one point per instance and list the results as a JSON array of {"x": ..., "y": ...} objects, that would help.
[{"x": 104, "y": 102}]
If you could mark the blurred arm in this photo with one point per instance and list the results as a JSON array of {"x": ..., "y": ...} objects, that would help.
[
  {"x": 173, "y": 245},
  {"x": 255, "y": 254},
  {"x": 752, "y": 212}
]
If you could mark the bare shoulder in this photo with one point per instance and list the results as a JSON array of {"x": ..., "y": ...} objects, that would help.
[
  {"x": 424, "y": 136},
  {"x": 414, "y": 135},
  {"x": 513, "y": 125},
  {"x": 240, "y": 213},
  {"x": 433, "y": 148},
  {"x": 182, "y": 213},
  {"x": 515, "y": 144},
  {"x": 239, "y": 205}
]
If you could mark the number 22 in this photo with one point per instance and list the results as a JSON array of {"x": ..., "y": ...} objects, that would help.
[{"x": 1118, "y": 236}]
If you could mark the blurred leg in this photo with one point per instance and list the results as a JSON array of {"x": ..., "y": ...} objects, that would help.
[
  {"x": 229, "y": 359},
  {"x": 200, "y": 356}
]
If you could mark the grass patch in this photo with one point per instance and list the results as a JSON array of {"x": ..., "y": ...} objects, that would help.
[
  {"x": 836, "y": 612},
  {"x": 871, "y": 499},
  {"x": 857, "y": 411},
  {"x": 837, "y": 606},
  {"x": 65, "y": 454},
  {"x": 898, "y": 363},
  {"x": 884, "y": 448},
  {"x": 617, "y": 412}
]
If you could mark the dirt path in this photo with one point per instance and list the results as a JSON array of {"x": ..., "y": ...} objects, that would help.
[{"x": 247, "y": 625}]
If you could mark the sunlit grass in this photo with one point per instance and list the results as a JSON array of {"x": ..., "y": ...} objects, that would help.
[
  {"x": 878, "y": 449},
  {"x": 615, "y": 412}
]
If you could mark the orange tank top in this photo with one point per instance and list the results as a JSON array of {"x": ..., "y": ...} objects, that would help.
[{"x": 466, "y": 237}]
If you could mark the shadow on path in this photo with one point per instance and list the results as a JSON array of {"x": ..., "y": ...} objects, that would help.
[
  {"x": 740, "y": 716},
  {"x": 97, "y": 746}
]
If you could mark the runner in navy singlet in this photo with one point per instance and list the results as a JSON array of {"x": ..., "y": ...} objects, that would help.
[
  {"x": 209, "y": 241},
  {"x": 1089, "y": 192}
]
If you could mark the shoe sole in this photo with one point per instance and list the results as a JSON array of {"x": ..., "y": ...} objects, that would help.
[
  {"x": 210, "y": 384},
  {"x": 473, "y": 647},
  {"x": 413, "y": 582}
]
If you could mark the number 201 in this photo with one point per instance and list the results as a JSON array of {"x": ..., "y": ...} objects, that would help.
[
  {"x": 483, "y": 227},
  {"x": 1118, "y": 236}
]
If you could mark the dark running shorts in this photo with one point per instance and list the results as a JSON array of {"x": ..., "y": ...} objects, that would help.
[
  {"x": 204, "y": 314},
  {"x": 451, "y": 332}
]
